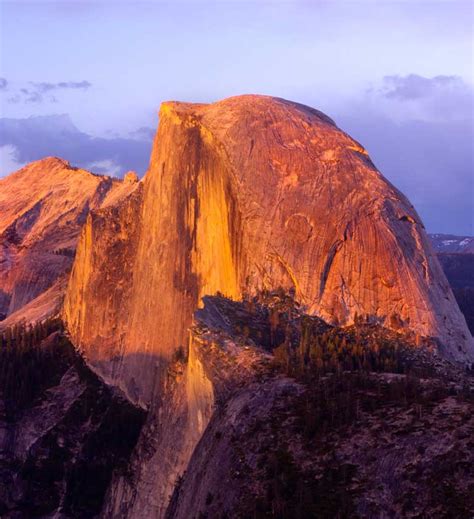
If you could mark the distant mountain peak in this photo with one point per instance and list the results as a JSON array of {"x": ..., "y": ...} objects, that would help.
[
  {"x": 43, "y": 207},
  {"x": 452, "y": 243}
]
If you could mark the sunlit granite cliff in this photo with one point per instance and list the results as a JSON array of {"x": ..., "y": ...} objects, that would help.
[{"x": 246, "y": 194}]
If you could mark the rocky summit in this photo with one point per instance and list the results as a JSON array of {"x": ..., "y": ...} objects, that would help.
[
  {"x": 264, "y": 306},
  {"x": 246, "y": 194}
]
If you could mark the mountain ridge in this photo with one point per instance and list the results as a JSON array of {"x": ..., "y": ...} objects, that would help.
[
  {"x": 452, "y": 243},
  {"x": 39, "y": 227}
]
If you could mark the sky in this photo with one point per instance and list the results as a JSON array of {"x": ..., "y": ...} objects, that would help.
[{"x": 83, "y": 80}]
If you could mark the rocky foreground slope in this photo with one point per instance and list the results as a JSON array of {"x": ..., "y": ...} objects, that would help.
[
  {"x": 43, "y": 207},
  {"x": 353, "y": 422},
  {"x": 270, "y": 413},
  {"x": 317, "y": 436},
  {"x": 62, "y": 431}
]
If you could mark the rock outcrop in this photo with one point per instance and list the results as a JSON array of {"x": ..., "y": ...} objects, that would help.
[
  {"x": 246, "y": 194},
  {"x": 62, "y": 432},
  {"x": 43, "y": 207},
  {"x": 238, "y": 433},
  {"x": 189, "y": 394}
]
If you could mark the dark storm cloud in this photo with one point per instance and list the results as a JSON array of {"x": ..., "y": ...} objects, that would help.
[
  {"x": 38, "y": 137},
  {"x": 414, "y": 86},
  {"x": 40, "y": 92}
]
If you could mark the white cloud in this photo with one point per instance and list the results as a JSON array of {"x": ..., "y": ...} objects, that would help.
[
  {"x": 414, "y": 97},
  {"x": 8, "y": 164},
  {"x": 104, "y": 167}
]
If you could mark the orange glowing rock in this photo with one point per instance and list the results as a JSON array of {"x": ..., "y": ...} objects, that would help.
[
  {"x": 250, "y": 193},
  {"x": 43, "y": 207}
]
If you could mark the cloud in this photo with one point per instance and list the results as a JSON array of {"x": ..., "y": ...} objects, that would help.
[
  {"x": 39, "y": 92},
  {"x": 36, "y": 137},
  {"x": 105, "y": 167},
  {"x": 28, "y": 96},
  {"x": 75, "y": 85},
  {"x": 414, "y": 86},
  {"x": 144, "y": 132},
  {"x": 414, "y": 97},
  {"x": 7, "y": 160}
]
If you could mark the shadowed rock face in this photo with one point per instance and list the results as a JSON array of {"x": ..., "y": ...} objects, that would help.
[
  {"x": 62, "y": 431},
  {"x": 229, "y": 435},
  {"x": 246, "y": 194},
  {"x": 459, "y": 269},
  {"x": 43, "y": 207}
]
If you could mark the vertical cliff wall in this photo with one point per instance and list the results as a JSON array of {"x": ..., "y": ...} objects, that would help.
[
  {"x": 181, "y": 412},
  {"x": 250, "y": 193}
]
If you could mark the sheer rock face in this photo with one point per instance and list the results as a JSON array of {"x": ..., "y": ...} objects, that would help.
[
  {"x": 189, "y": 395},
  {"x": 168, "y": 438},
  {"x": 250, "y": 193},
  {"x": 43, "y": 207},
  {"x": 98, "y": 296}
]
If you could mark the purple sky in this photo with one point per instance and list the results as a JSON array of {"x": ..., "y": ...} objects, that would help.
[{"x": 83, "y": 80}]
